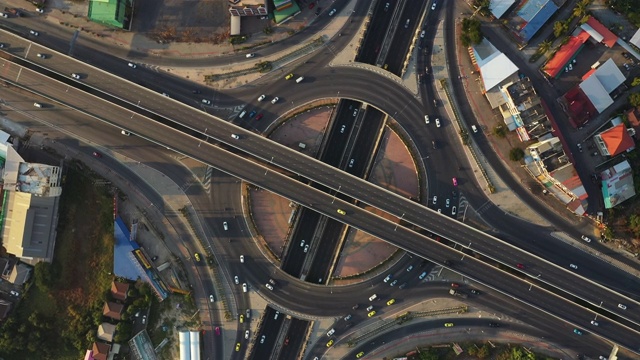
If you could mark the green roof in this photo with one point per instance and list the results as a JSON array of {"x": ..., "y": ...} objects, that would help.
[{"x": 108, "y": 12}]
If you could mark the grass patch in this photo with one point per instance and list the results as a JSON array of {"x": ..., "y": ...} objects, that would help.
[{"x": 60, "y": 321}]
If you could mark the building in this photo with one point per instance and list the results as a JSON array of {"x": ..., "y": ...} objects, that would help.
[
  {"x": 633, "y": 116},
  {"x": 592, "y": 95},
  {"x": 567, "y": 53},
  {"x": 524, "y": 110},
  {"x": 100, "y": 351},
  {"x": 615, "y": 140},
  {"x": 31, "y": 198},
  {"x": 500, "y": 7},
  {"x": 547, "y": 162},
  {"x": 113, "y": 310},
  {"x": 617, "y": 184},
  {"x": 495, "y": 70},
  {"x": 531, "y": 15},
  {"x": 189, "y": 345},
  {"x": 109, "y": 12},
  {"x": 119, "y": 290},
  {"x": 106, "y": 332},
  {"x": 599, "y": 33}
]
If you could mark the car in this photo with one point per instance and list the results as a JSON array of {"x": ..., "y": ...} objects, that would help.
[
  {"x": 330, "y": 343},
  {"x": 394, "y": 282},
  {"x": 474, "y": 128},
  {"x": 218, "y": 330},
  {"x": 455, "y": 285},
  {"x": 453, "y": 210},
  {"x": 41, "y": 55},
  {"x": 434, "y": 144},
  {"x": 241, "y": 318},
  {"x": 5, "y": 15},
  {"x": 585, "y": 238},
  {"x": 259, "y": 116},
  {"x": 318, "y": 11},
  {"x": 144, "y": 319},
  {"x": 225, "y": 225},
  {"x": 348, "y": 317},
  {"x": 38, "y": 105},
  {"x": 402, "y": 286},
  {"x": 275, "y": 317},
  {"x": 447, "y": 202},
  {"x": 355, "y": 112},
  {"x": 594, "y": 323},
  {"x": 406, "y": 24},
  {"x": 332, "y": 12},
  {"x": 369, "y": 308},
  {"x": 275, "y": 100},
  {"x": 351, "y": 163},
  {"x": 474, "y": 291},
  {"x": 242, "y": 259},
  {"x": 96, "y": 154},
  {"x": 246, "y": 334},
  {"x": 439, "y": 211},
  {"x": 343, "y": 128},
  {"x": 435, "y": 199},
  {"x": 433, "y": 7},
  {"x": 40, "y": 10},
  {"x": 249, "y": 56},
  {"x": 448, "y": 324},
  {"x": 331, "y": 332},
  {"x": 206, "y": 101},
  {"x": 195, "y": 91},
  {"x": 237, "y": 346},
  {"x": 2, "y": 46},
  {"x": 302, "y": 243},
  {"x": 263, "y": 338},
  {"x": 494, "y": 324},
  {"x": 235, "y": 136},
  {"x": 312, "y": 5},
  {"x": 286, "y": 341},
  {"x": 34, "y": 33},
  {"x": 165, "y": 94},
  {"x": 361, "y": 353},
  {"x": 437, "y": 122},
  {"x": 262, "y": 97},
  {"x": 577, "y": 331},
  {"x": 387, "y": 278},
  {"x": 244, "y": 287},
  {"x": 125, "y": 133},
  {"x": 132, "y": 65},
  {"x": 520, "y": 266},
  {"x": 371, "y": 314},
  {"x": 289, "y": 76},
  {"x": 422, "y": 276},
  {"x": 386, "y": 7},
  {"x": 154, "y": 258},
  {"x": 342, "y": 212},
  {"x": 211, "y": 298},
  {"x": 196, "y": 256},
  {"x": 272, "y": 282},
  {"x": 269, "y": 286},
  {"x": 602, "y": 357},
  {"x": 14, "y": 293},
  {"x": 247, "y": 313},
  {"x": 448, "y": 263},
  {"x": 454, "y": 181},
  {"x": 422, "y": 34},
  {"x": 252, "y": 114},
  {"x": 306, "y": 248},
  {"x": 75, "y": 76},
  {"x": 410, "y": 268},
  {"x": 573, "y": 266},
  {"x": 426, "y": 119},
  {"x": 236, "y": 280},
  {"x": 373, "y": 297},
  {"x": 391, "y": 302},
  {"x": 622, "y": 306}
]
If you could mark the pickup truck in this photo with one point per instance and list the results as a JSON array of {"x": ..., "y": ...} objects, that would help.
[{"x": 457, "y": 293}]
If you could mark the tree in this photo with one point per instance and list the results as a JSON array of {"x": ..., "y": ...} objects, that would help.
[
  {"x": 559, "y": 28},
  {"x": 635, "y": 82},
  {"x": 516, "y": 154},
  {"x": 471, "y": 32},
  {"x": 43, "y": 274},
  {"x": 544, "y": 46},
  {"x": 500, "y": 131},
  {"x": 484, "y": 352},
  {"x": 634, "y": 99},
  {"x": 634, "y": 224}
]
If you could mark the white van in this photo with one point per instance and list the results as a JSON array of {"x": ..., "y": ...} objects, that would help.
[
  {"x": 474, "y": 128},
  {"x": 426, "y": 119},
  {"x": 242, "y": 114},
  {"x": 373, "y": 297},
  {"x": 299, "y": 80}
]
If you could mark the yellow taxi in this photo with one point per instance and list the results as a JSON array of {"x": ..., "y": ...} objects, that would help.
[
  {"x": 289, "y": 76},
  {"x": 238, "y": 347},
  {"x": 360, "y": 354},
  {"x": 391, "y": 302},
  {"x": 197, "y": 256},
  {"x": 241, "y": 319},
  {"x": 330, "y": 343},
  {"x": 448, "y": 324},
  {"x": 342, "y": 212},
  {"x": 371, "y": 313}
]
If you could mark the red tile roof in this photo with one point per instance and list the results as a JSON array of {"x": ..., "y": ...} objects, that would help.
[
  {"x": 609, "y": 37},
  {"x": 119, "y": 290},
  {"x": 113, "y": 310},
  {"x": 101, "y": 350},
  {"x": 634, "y": 121},
  {"x": 566, "y": 52},
  {"x": 617, "y": 139}
]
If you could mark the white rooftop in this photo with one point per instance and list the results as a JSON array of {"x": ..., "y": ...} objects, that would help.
[
  {"x": 497, "y": 69},
  {"x": 596, "y": 93},
  {"x": 499, "y": 7},
  {"x": 635, "y": 39},
  {"x": 609, "y": 75}
]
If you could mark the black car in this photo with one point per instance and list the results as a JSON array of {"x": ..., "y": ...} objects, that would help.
[
  {"x": 474, "y": 291},
  {"x": 494, "y": 325},
  {"x": 196, "y": 91},
  {"x": 318, "y": 11}
]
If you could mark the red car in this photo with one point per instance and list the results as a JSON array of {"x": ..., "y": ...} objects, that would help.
[
  {"x": 217, "y": 330},
  {"x": 259, "y": 116},
  {"x": 455, "y": 285},
  {"x": 96, "y": 154},
  {"x": 455, "y": 181},
  {"x": 312, "y": 5},
  {"x": 520, "y": 266}
]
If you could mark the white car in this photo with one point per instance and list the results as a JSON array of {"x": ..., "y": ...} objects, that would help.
[
  {"x": 343, "y": 128},
  {"x": 447, "y": 203},
  {"x": 410, "y": 268},
  {"x": 422, "y": 34},
  {"x": 269, "y": 286},
  {"x": 594, "y": 323},
  {"x": 306, "y": 248},
  {"x": 435, "y": 199},
  {"x": 355, "y": 112},
  {"x": 573, "y": 266},
  {"x": 302, "y": 243},
  {"x": 125, "y": 133},
  {"x": 275, "y": 100},
  {"x": 206, "y": 101},
  {"x": 132, "y": 65},
  {"x": 332, "y": 12},
  {"x": 585, "y": 238},
  {"x": 5, "y": 15},
  {"x": 75, "y": 76},
  {"x": 453, "y": 210},
  {"x": 211, "y": 298},
  {"x": 433, "y": 7},
  {"x": 235, "y": 136},
  {"x": 351, "y": 162},
  {"x": 387, "y": 278},
  {"x": 437, "y": 122},
  {"x": 246, "y": 334},
  {"x": 41, "y": 55},
  {"x": 236, "y": 280},
  {"x": 40, "y": 10},
  {"x": 244, "y": 287},
  {"x": 14, "y": 293},
  {"x": 38, "y": 105},
  {"x": 262, "y": 339},
  {"x": 262, "y": 97},
  {"x": 331, "y": 332},
  {"x": 622, "y": 306},
  {"x": 248, "y": 56},
  {"x": 225, "y": 225},
  {"x": 34, "y": 33},
  {"x": 426, "y": 119},
  {"x": 242, "y": 259}
]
